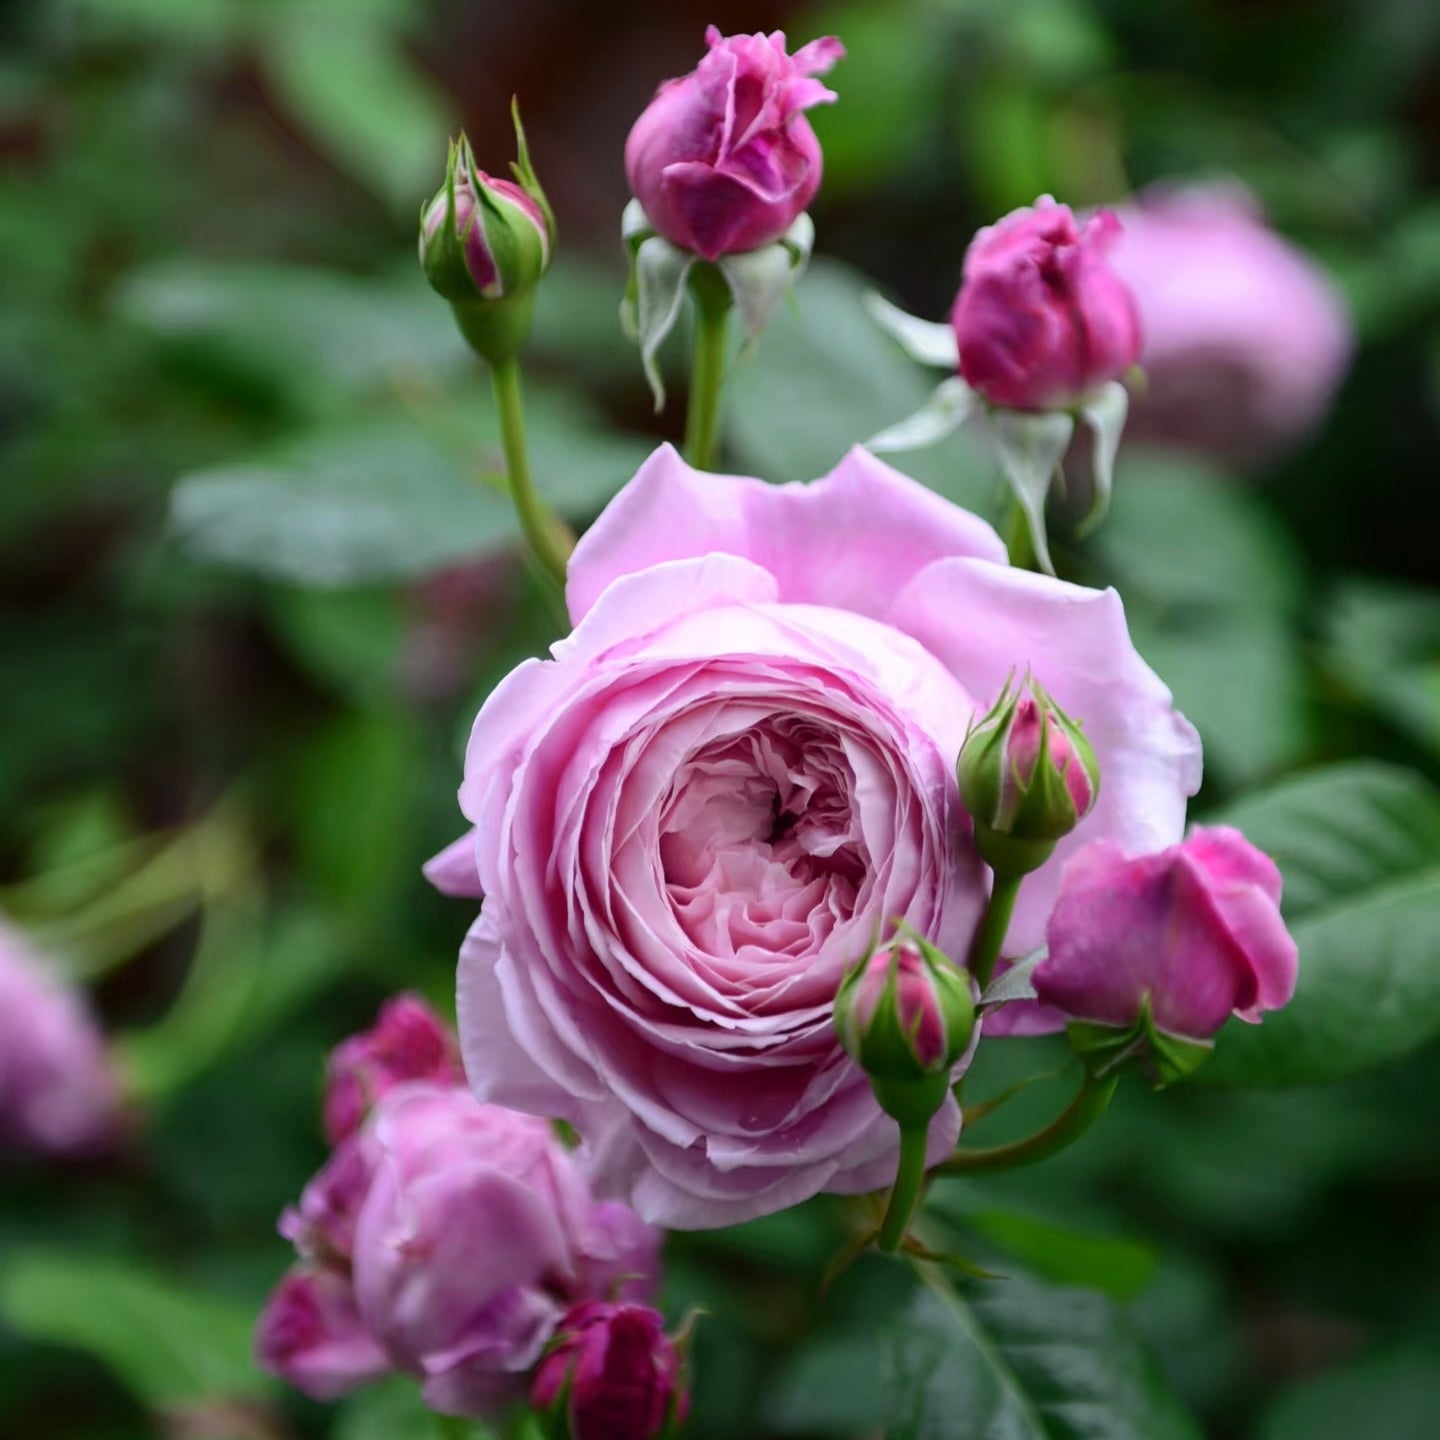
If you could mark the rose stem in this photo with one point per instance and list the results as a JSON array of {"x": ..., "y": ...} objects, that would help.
[
  {"x": 707, "y": 375},
  {"x": 909, "y": 1181},
  {"x": 1089, "y": 1104},
  {"x": 991, "y": 935},
  {"x": 541, "y": 529}
]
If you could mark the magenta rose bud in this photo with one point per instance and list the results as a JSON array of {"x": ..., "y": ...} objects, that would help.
[
  {"x": 723, "y": 159},
  {"x": 1245, "y": 337},
  {"x": 311, "y": 1336},
  {"x": 408, "y": 1042},
  {"x": 1042, "y": 318},
  {"x": 1028, "y": 776},
  {"x": 58, "y": 1092},
  {"x": 1150, "y": 955},
  {"x": 612, "y": 1374}
]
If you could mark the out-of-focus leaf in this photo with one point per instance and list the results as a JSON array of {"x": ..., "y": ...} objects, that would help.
[
  {"x": 1210, "y": 585},
  {"x": 826, "y": 377},
  {"x": 320, "y": 336},
  {"x": 394, "y": 497},
  {"x": 1395, "y": 1396},
  {"x": 1383, "y": 642},
  {"x": 1359, "y": 846},
  {"x": 1009, "y": 1360},
  {"x": 354, "y": 92},
  {"x": 166, "y": 1343}
]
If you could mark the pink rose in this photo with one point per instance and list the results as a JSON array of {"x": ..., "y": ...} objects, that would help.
[
  {"x": 693, "y": 820},
  {"x": 408, "y": 1042},
  {"x": 723, "y": 159},
  {"x": 1194, "y": 932},
  {"x": 58, "y": 1093},
  {"x": 1245, "y": 337},
  {"x": 1041, "y": 316}
]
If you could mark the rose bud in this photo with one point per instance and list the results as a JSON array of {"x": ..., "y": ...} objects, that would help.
[
  {"x": 1027, "y": 776},
  {"x": 612, "y": 1374},
  {"x": 723, "y": 159},
  {"x": 58, "y": 1093},
  {"x": 1149, "y": 955},
  {"x": 1041, "y": 318},
  {"x": 476, "y": 1234},
  {"x": 311, "y": 1335},
  {"x": 1245, "y": 337},
  {"x": 905, "y": 1015},
  {"x": 408, "y": 1042}
]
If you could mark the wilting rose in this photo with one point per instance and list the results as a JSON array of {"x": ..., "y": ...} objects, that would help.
[
  {"x": 696, "y": 817},
  {"x": 1245, "y": 337},
  {"x": 1041, "y": 317},
  {"x": 448, "y": 1237},
  {"x": 407, "y": 1042},
  {"x": 1192, "y": 932},
  {"x": 723, "y": 159},
  {"x": 58, "y": 1093}
]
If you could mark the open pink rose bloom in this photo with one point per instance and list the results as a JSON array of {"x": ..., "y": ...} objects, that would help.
[{"x": 695, "y": 817}]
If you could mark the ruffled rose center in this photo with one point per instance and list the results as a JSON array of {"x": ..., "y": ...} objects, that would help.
[{"x": 760, "y": 845}]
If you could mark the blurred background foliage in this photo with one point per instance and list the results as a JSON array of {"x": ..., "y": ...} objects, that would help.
[{"x": 258, "y": 569}]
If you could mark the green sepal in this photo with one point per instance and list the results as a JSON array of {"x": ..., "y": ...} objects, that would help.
[
  {"x": 912, "y": 1103},
  {"x": 1160, "y": 1057},
  {"x": 524, "y": 172},
  {"x": 496, "y": 329}
]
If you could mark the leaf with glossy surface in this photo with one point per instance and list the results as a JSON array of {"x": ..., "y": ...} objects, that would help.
[
  {"x": 1359, "y": 847},
  {"x": 1006, "y": 1360}
]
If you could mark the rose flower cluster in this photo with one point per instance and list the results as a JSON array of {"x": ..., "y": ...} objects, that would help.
[{"x": 827, "y": 786}]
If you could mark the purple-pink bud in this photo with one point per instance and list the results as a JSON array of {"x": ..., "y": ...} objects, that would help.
[
  {"x": 917, "y": 1005},
  {"x": 1042, "y": 317},
  {"x": 311, "y": 1335},
  {"x": 408, "y": 1042},
  {"x": 58, "y": 1093},
  {"x": 1028, "y": 741},
  {"x": 1245, "y": 337},
  {"x": 1192, "y": 933},
  {"x": 613, "y": 1374},
  {"x": 723, "y": 159}
]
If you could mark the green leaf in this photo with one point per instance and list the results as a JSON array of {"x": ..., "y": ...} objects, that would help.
[
  {"x": 395, "y": 496},
  {"x": 1066, "y": 1255},
  {"x": 1007, "y": 1360},
  {"x": 826, "y": 377},
  {"x": 1397, "y": 1396},
  {"x": 1359, "y": 847},
  {"x": 167, "y": 1344}
]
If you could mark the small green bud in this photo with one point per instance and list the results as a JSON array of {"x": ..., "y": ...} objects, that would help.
[
  {"x": 905, "y": 1015},
  {"x": 1027, "y": 776}
]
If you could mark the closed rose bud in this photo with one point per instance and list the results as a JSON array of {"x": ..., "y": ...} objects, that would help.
[
  {"x": 408, "y": 1042},
  {"x": 723, "y": 159},
  {"x": 905, "y": 1016},
  {"x": 482, "y": 238},
  {"x": 1245, "y": 337},
  {"x": 311, "y": 1335},
  {"x": 1042, "y": 318},
  {"x": 612, "y": 1374},
  {"x": 58, "y": 1093},
  {"x": 1150, "y": 955},
  {"x": 1027, "y": 776}
]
